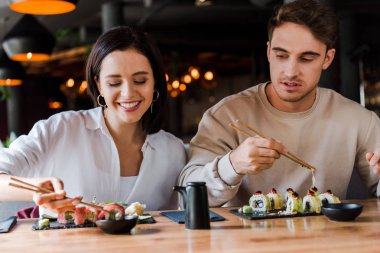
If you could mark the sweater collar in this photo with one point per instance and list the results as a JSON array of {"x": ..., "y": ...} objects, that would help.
[{"x": 290, "y": 115}]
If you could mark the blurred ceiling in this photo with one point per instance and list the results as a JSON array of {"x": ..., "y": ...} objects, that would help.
[{"x": 224, "y": 26}]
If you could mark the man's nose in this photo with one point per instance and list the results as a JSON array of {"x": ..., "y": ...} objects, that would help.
[{"x": 292, "y": 69}]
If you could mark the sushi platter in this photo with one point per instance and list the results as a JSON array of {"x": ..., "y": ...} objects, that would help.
[
  {"x": 272, "y": 205},
  {"x": 270, "y": 214}
]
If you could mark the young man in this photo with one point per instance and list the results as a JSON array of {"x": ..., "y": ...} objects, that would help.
[{"x": 320, "y": 126}]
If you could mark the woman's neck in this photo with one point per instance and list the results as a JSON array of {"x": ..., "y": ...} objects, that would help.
[{"x": 124, "y": 132}]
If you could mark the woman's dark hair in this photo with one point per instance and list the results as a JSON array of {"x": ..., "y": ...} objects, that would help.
[
  {"x": 319, "y": 18},
  {"x": 123, "y": 38}
]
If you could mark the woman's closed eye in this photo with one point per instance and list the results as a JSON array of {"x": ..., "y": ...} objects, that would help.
[
  {"x": 114, "y": 83},
  {"x": 140, "y": 81}
]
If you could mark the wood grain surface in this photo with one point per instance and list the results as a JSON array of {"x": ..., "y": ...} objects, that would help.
[{"x": 303, "y": 234}]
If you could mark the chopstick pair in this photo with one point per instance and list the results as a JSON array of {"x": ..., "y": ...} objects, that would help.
[
  {"x": 288, "y": 155},
  {"x": 30, "y": 187}
]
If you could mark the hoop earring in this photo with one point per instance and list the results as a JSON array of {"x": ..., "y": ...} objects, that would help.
[
  {"x": 100, "y": 104},
  {"x": 158, "y": 95},
  {"x": 154, "y": 100}
]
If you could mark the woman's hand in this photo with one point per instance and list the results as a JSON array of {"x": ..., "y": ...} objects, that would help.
[{"x": 55, "y": 201}]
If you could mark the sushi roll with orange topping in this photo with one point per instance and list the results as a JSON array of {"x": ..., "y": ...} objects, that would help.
[
  {"x": 311, "y": 203},
  {"x": 259, "y": 202},
  {"x": 275, "y": 200}
]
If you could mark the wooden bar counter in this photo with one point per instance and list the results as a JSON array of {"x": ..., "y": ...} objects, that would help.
[{"x": 303, "y": 234}]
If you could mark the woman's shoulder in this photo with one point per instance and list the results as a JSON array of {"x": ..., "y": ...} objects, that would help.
[{"x": 73, "y": 117}]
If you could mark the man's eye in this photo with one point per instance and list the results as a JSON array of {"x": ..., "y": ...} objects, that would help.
[
  {"x": 306, "y": 59},
  {"x": 281, "y": 56}
]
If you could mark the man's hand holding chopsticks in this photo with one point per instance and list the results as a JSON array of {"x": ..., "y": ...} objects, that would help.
[{"x": 256, "y": 154}]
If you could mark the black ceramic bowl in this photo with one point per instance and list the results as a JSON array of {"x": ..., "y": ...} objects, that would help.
[
  {"x": 342, "y": 211},
  {"x": 118, "y": 227}
]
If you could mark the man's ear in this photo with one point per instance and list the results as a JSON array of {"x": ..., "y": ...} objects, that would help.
[
  {"x": 329, "y": 58},
  {"x": 268, "y": 50}
]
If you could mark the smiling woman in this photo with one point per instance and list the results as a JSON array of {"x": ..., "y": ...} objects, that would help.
[{"x": 117, "y": 151}]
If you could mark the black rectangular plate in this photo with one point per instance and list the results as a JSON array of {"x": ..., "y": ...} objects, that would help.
[
  {"x": 270, "y": 215},
  {"x": 55, "y": 225}
]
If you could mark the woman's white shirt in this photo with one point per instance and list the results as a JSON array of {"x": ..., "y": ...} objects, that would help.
[{"x": 78, "y": 148}]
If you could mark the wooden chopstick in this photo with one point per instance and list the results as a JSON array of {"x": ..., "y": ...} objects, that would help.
[
  {"x": 35, "y": 188},
  {"x": 287, "y": 155}
]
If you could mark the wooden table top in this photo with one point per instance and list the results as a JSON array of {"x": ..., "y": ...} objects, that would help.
[{"x": 302, "y": 234}]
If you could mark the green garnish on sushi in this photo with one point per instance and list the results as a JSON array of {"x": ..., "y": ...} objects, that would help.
[
  {"x": 43, "y": 223},
  {"x": 247, "y": 209}
]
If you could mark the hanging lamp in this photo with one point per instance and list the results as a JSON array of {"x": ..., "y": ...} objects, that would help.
[
  {"x": 43, "y": 7},
  {"x": 11, "y": 72},
  {"x": 28, "y": 40}
]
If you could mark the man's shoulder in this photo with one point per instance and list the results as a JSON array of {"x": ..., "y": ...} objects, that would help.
[
  {"x": 238, "y": 99},
  {"x": 332, "y": 96},
  {"x": 333, "y": 99}
]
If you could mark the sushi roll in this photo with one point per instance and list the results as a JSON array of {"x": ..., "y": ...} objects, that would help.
[
  {"x": 259, "y": 202},
  {"x": 91, "y": 214},
  {"x": 289, "y": 193},
  {"x": 115, "y": 212},
  {"x": 294, "y": 204},
  {"x": 66, "y": 217},
  {"x": 311, "y": 203},
  {"x": 43, "y": 223},
  {"x": 246, "y": 209},
  {"x": 135, "y": 208},
  {"x": 80, "y": 215},
  {"x": 275, "y": 200},
  {"x": 328, "y": 198}
]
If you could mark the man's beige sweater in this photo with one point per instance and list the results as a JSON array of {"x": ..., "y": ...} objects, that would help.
[{"x": 333, "y": 135}]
